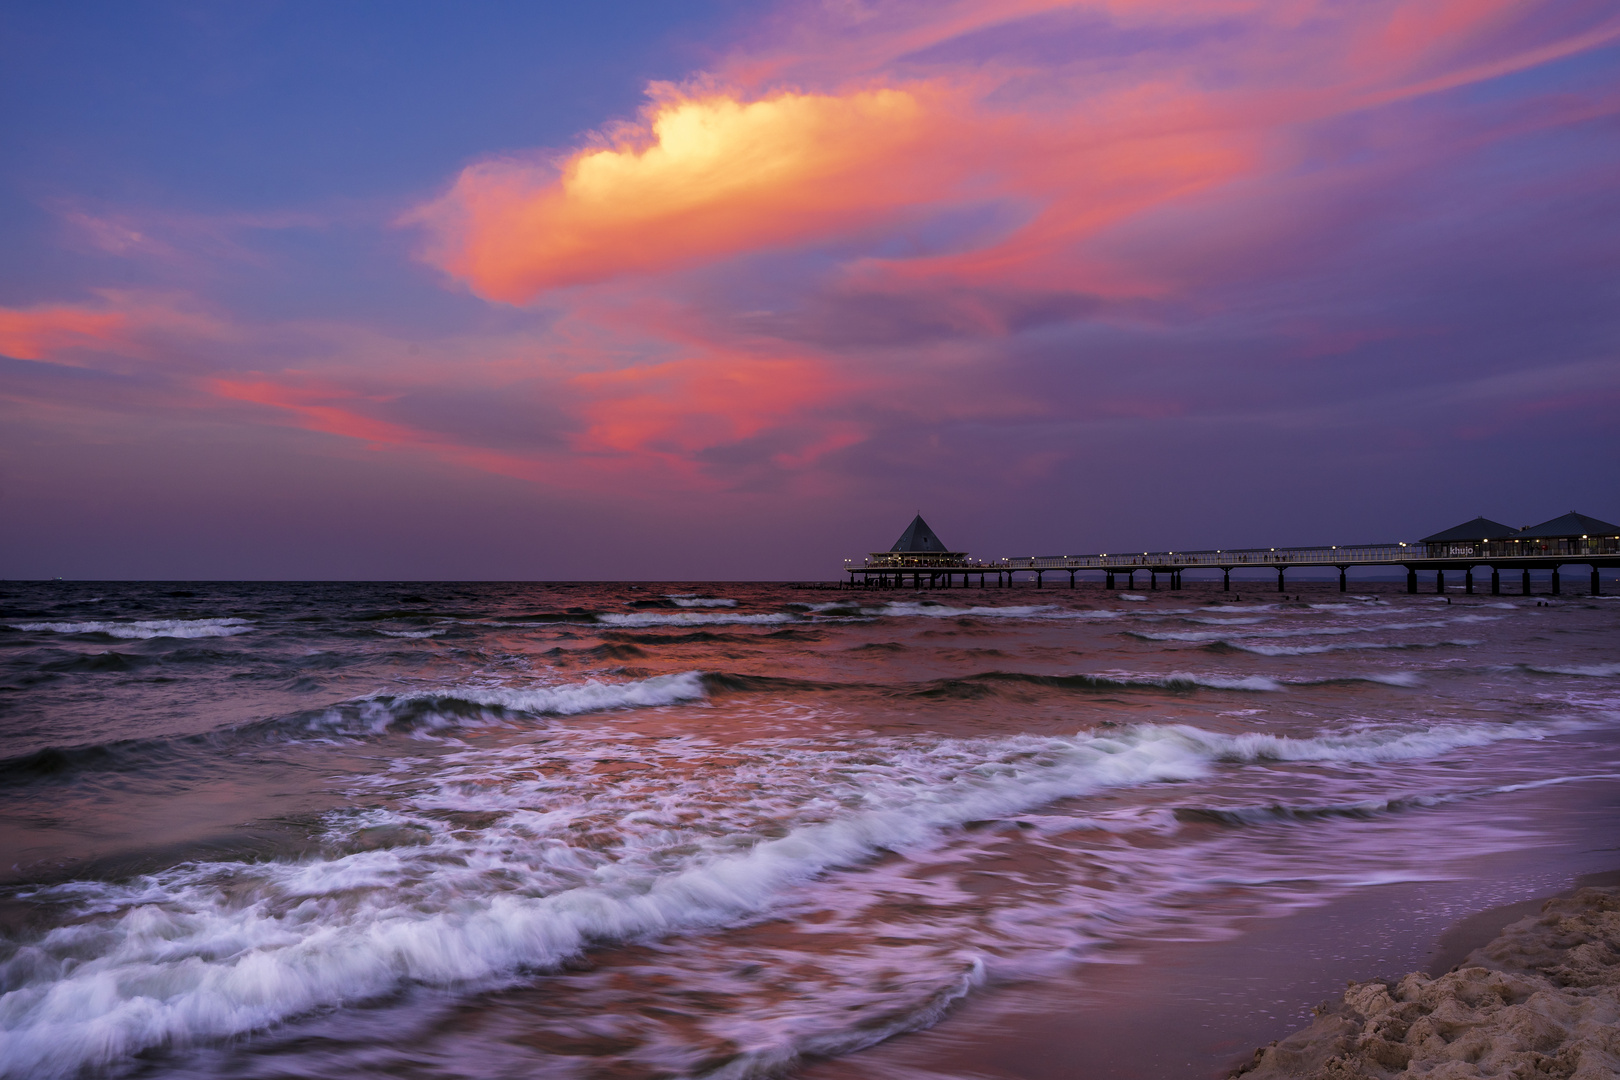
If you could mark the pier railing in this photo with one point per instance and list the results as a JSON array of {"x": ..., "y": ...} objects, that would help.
[
  {"x": 1307, "y": 556},
  {"x": 1607, "y": 547}
]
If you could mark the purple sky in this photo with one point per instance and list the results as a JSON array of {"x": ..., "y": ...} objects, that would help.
[{"x": 699, "y": 291}]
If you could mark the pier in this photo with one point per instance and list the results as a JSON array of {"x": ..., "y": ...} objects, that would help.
[{"x": 919, "y": 560}]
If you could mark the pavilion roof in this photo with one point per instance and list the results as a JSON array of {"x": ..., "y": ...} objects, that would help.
[
  {"x": 1481, "y": 528},
  {"x": 1570, "y": 524},
  {"x": 918, "y": 537}
]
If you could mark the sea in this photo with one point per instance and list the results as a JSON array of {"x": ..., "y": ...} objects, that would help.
[{"x": 727, "y": 830}]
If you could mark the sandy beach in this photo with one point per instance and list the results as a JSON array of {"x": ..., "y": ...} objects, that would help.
[{"x": 1541, "y": 999}]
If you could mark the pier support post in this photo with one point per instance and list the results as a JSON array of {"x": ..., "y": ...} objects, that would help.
[
  {"x": 1108, "y": 582},
  {"x": 1411, "y": 580},
  {"x": 1496, "y": 582},
  {"x": 1280, "y": 585},
  {"x": 1071, "y": 579},
  {"x": 1439, "y": 581},
  {"x": 1175, "y": 579},
  {"x": 1039, "y": 574},
  {"x": 1344, "y": 584},
  {"x": 1132, "y": 584},
  {"x": 1226, "y": 579},
  {"x": 1596, "y": 588},
  {"x": 1153, "y": 579},
  {"x": 1555, "y": 581},
  {"x": 1468, "y": 581},
  {"x": 1525, "y": 588}
]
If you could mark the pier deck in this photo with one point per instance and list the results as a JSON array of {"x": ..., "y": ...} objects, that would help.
[{"x": 888, "y": 570}]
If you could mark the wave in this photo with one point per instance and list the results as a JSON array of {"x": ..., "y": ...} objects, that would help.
[
  {"x": 1319, "y": 631},
  {"x": 1226, "y": 645},
  {"x": 1131, "y": 596},
  {"x": 411, "y": 633},
  {"x": 1273, "y": 813},
  {"x": 208, "y": 951},
  {"x": 146, "y": 628},
  {"x": 934, "y": 610},
  {"x": 380, "y": 711},
  {"x": 1590, "y": 670},
  {"x": 991, "y": 682},
  {"x": 691, "y": 618},
  {"x": 691, "y": 600},
  {"x": 419, "y": 712}
]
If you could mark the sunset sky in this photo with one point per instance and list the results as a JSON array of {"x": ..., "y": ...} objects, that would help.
[{"x": 727, "y": 290}]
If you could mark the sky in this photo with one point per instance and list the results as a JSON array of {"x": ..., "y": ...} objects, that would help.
[{"x": 723, "y": 290}]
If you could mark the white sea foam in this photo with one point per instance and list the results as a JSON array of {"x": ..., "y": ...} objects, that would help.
[
  {"x": 691, "y": 600},
  {"x": 691, "y": 618},
  {"x": 1130, "y": 596},
  {"x": 213, "y": 950},
  {"x": 145, "y": 628},
  {"x": 411, "y": 633}
]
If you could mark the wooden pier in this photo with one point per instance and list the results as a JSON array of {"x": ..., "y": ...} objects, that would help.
[{"x": 1550, "y": 546}]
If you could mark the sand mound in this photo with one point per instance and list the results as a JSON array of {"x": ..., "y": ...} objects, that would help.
[{"x": 1542, "y": 1000}]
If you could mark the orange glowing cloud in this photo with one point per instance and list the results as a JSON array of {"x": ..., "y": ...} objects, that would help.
[
  {"x": 45, "y": 333},
  {"x": 704, "y": 176}
]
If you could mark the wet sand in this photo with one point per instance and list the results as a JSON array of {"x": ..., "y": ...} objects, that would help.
[{"x": 1196, "y": 1010}]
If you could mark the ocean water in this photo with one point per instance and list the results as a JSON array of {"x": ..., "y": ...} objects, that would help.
[{"x": 594, "y": 831}]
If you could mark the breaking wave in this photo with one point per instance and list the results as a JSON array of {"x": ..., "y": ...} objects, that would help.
[
  {"x": 146, "y": 628},
  {"x": 690, "y": 600},
  {"x": 1591, "y": 670},
  {"x": 691, "y": 618},
  {"x": 208, "y": 951},
  {"x": 1226, "y": 645},
  {"x": 932, "y": 610}
]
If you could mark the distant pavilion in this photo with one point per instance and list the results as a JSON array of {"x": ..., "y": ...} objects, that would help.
[{"x": 921, "y": 555}]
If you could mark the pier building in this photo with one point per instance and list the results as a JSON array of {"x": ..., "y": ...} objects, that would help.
[{"x": 1573, "y": 539}]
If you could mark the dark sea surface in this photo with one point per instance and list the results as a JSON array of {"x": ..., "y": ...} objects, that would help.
[{"x": 615, "y": 831}]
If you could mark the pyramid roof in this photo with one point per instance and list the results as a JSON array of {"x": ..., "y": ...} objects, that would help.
[
  {"x": 1570, "y": 524},
  {"x": 918, "y": 537},
  {"x": 1481, "y": 528}
]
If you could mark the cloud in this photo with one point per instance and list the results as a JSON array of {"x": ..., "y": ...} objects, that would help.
[
  {"x": 882, "y": 234},
  {"x": 702, "y": 176},
  {"x": 50, "y": 332}
]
